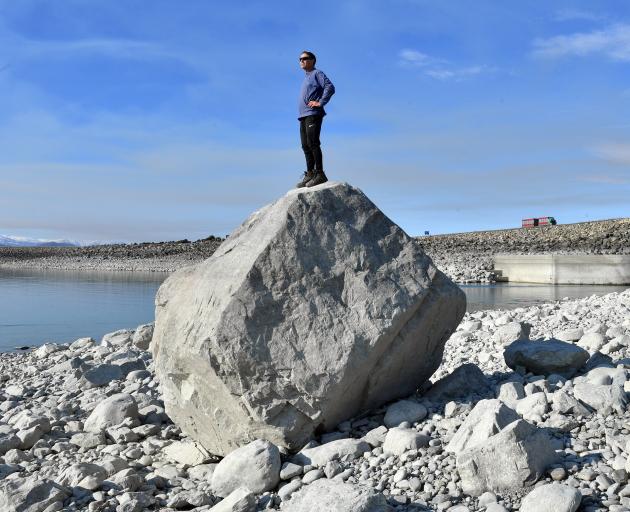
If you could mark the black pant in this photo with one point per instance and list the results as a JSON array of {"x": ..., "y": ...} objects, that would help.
[{"x": 310, "y": 128}]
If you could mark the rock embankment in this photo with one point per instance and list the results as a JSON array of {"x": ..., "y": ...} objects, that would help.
[
  {"x": 83, "y": 427},
  {"x": 468, "y": 257},
  {"x": 148, "y": 256}
]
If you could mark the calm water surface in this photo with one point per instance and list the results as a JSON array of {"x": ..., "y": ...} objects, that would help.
[
  {"x": 60, "y": 306},
  {"x": 520, "y": 295}
]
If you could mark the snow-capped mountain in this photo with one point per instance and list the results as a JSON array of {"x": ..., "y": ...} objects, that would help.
[{"x": 19, "y": 241}]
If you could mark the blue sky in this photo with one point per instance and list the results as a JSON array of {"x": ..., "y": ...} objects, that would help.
[{"x": 158, "y": 120}]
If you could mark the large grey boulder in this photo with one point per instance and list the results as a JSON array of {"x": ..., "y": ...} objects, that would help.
[
  {"x": 335, "y": 496},
  {"x": 514, "y": 458},
  {"x": 545, "y": 357},
  {"x": 488, "y": 418},
  {"x": 318, "y": 307}
]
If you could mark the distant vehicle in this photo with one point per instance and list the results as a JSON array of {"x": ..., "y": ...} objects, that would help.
[{"x": 539, "y": 221}]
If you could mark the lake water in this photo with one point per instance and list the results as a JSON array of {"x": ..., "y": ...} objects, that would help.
[{"x": 61, "y": 306}]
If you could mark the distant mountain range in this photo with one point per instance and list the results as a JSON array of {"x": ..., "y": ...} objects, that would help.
[{"x": 18, "y": 241}]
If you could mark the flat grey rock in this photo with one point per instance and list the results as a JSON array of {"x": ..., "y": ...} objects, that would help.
[
  {"x": 101, "y": 375},
  {"x": 334, "y": 496},
  {"x": 317, "y": 308},
  {"x": 239, "y": 500},
  {"x": 319, "y": 456},
  {"x": 546, "y": 357}
]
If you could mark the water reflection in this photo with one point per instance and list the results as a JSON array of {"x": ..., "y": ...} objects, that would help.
[
  {"x": 510, "y": 296},
  {"x": 60, "y": 306}
]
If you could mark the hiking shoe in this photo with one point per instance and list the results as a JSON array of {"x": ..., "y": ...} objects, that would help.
[
  {"x": 318, "y": 179},
  {"x": 308, "y": 176}
]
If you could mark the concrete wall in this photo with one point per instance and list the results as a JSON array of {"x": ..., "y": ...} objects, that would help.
[{"x": 564, "y": 268}]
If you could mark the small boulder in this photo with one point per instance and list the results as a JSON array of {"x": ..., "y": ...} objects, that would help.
[
  {"x": 319, "y": 456},
  {"x": 552, "y": 498},
  {"x": 404, "y": 410},
  {"x": 512, "y": 332},
  {"x": 186, "y": 452},
  {"x": 592, "y": 341},
  {"x": 30, "y": 494},
  {"x": 399, "y": 440},
  {"x": 459, "y": 384},
  {"x": 100, "y": 375},
  {"x": 510, "y": 393},
  {"x": 604, "y": 398},
  {"x": 74, "y": 474},
  {"x": 255, "y": 465},
  {"x": 111, "y": 411},
  {"x": 335, "y": 496},
  {"x": 546, "y": 357},
  {"x": 239, "y": 500},
  {"x": 488, "y": 418},
  {"x": 533, "y": 406},
  {"x": 569, "y": 334},
  {"x": 143, "y": 335},
  {"x": 514, "y": 458},
  {"x": 117, "y": 338}
]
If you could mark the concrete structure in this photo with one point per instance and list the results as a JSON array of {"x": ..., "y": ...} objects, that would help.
[{"x": 564, "y": 268}]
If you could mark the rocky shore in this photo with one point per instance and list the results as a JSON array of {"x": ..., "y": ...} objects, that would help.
[
  {"x": 83, "y": 427},
  {"x": 464, "y": 257},
  {"x": 146, "y": 257}
]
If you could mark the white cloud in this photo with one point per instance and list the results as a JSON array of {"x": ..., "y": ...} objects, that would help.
[
  {"x": 456, "y": 74},
  {"x": 578, "y": 14},
  {"x": 612, "y": 42},
  {"x": 618, "y": 153},
  {"x": 415, "y": 58},
  {"x": 438, "y": 69}
]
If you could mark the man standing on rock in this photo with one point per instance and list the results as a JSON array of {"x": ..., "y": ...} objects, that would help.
[{"x": 315, "y": 93}]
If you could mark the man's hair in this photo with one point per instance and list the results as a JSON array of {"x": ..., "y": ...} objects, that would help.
[{"x": 311, "y": 55}]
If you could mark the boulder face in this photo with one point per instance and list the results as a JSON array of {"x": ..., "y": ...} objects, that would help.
[{"x": 316, "y": 308}]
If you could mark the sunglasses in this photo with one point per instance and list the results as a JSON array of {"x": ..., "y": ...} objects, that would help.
[{"x": 305, "y": 58}]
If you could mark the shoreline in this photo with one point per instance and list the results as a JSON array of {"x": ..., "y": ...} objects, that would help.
[{"x": 464, "y": 257}]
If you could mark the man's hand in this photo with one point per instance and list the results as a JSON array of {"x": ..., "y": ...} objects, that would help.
[{"x": 314, "y": 104}]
